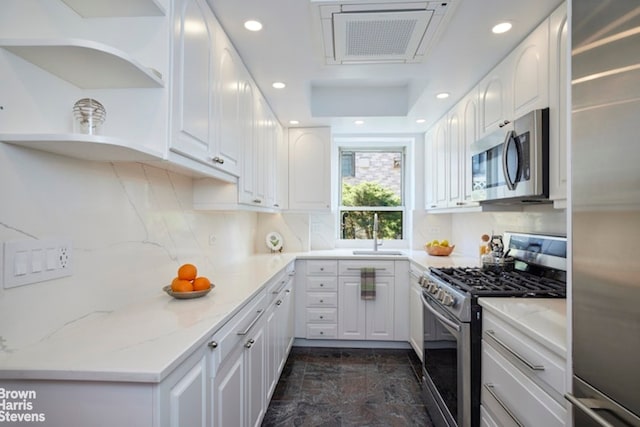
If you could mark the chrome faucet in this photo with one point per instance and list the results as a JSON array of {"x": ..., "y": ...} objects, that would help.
[{"x": 376, "y": 243}]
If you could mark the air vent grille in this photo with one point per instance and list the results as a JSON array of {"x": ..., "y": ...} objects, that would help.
[
  {"x": 379, "y": 37},
  {"x": 370, "y": 32}
]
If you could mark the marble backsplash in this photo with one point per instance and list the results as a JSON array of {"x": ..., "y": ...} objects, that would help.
[{"x": 131, "y": 226}]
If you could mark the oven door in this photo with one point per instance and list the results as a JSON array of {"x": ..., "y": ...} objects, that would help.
[{"x": 446, "y": 369}]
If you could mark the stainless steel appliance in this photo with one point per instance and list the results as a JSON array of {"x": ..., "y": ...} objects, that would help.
[
  {"x": 512, "y": 163},
  {"x": 451, "y": 370},
  {"x": 605, "y": 212}
]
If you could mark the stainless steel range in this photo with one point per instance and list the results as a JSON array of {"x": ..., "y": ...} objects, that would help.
[{"x": 451, "y": 366}]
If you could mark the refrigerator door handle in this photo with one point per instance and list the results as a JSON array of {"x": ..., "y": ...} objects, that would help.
[{"x": 587, "y": 405}]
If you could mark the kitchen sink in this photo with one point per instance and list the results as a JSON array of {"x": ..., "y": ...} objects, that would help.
[{"x": 379, "y": 253}]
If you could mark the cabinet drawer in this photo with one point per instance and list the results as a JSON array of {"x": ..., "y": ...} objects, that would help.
[
  {"x": 323, "y": 267},
  {"x": 322, "y": 299},
  {"x": 233, "y": 332},
  {"x": 322, "y": 315},
  {"x": 320, "y": 283},
  {"x": 550, "y": 367},
  {"x": 508, "y": 394},
  {"x": 352, "y": 268},
  {"x": 318, "y": 331}
]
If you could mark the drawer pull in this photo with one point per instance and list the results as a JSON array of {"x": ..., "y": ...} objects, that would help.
[
  {"x": 359, "y": 269},
  {"x": 250, "y": 343},
  {"x": 587, "y": 406},
  {"x": 213, "y": 344},
  {"x": 253, "y": 322},
  {"x": 279, "y": 302},
  {"x": 490, "y": 388},
  {"x": 492, "y": 334},
  {"x": 321, "y": 317},
  {"x": 322, "y": 285},
  {"x": 284, "y": 283},
  {"x": 321, "y": 332}
]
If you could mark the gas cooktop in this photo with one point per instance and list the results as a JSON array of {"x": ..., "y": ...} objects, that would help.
[{"x": 478, "y": 282}]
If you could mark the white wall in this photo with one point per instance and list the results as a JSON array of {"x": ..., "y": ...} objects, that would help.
[{"x": 131, "y": 226}]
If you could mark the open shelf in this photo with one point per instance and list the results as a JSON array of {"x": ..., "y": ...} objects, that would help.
[
  {"x": 115, "y": 8},
  {"x": 87, "y": 147},
  {"x": 84, "y": 63}
]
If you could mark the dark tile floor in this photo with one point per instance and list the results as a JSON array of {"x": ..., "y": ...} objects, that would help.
[{"x": 348, "y": 387}]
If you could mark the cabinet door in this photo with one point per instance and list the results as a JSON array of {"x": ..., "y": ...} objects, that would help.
[
  {"x": 227, "y": 142},
  {"x": 454, "y": 153},
  {"x": 246, "y": 181},
  {"x": 256, "y": 355},
  {"x": 379, "y": 311},
  {"x": 469, "y": 129},
  {"x": 416, "y": 335},
  {"x": 310, "y": 168},
  {"x": 228, "y": 390},
  {"x": 530, "y": 62},
  {"x": 429, "y": 170},
  {"x": 495, "y": 95},
  {"x": 281, "y": 169},
  {"x": 188, "y": 398},
  {"x": 558, "y": 106},
  {"x": 440, "y": 167},
  {"x": 351, "y": 310},
  {"x": 192, "y": 80}
]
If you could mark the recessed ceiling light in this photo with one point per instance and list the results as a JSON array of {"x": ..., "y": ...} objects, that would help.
[
  {"x": 279, "y": 85},
  {"x": 420, "y": 121},
  {"x": 502, "y": 27},
  {"x": 294, "y": 122},
  {"x": 253, "y": 25},
  {"x": 358, "y": 122},
  {"x": 442, "y": 95}
]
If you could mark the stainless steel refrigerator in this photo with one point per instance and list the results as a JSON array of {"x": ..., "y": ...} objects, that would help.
[{"x": 605, "y": 212}]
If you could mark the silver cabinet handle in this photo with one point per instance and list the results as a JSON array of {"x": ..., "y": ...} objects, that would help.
[
  {"x": 250, "y": 343},
  {"x": 279, "y": 302},
  {"x": 213, "y": 344},
  {"x": 218, "y": 160},
  {"x": 490, "y": 388},
  {"x": 253, "y": 322},
  {"x": 257, "y": 201},
  {"x": 284, "y": 283},
  {"x": 583, "y": 405},
  {"x": 502, "y": 344},
  {"x": 438, "y": 315}
]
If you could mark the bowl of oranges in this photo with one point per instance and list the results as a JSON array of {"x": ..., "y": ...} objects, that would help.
[
  {"x": 188, "y": 284},
  {"x": 439, "y": 248}
]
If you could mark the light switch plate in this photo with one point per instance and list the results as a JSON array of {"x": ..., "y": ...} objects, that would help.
[{"x": 36, "y": 260}]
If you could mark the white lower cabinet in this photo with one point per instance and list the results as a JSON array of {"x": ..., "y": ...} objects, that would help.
[
  {"x": 523, "y": 382},
  {"x": 248, "y": 354},
  {"x": 416, "y": 322},
  {"x": 366, "y": 319}
]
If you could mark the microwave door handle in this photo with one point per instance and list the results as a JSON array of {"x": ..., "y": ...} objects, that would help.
[{"x": 511, "y": 184}]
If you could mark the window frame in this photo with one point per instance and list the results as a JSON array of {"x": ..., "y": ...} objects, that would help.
[{"x": 402, "y": 144}]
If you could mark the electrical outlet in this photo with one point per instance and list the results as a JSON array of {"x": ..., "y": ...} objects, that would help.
[{"x": 32, "y": 261}]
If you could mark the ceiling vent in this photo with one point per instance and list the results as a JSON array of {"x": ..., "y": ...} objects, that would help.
[{"x": 370, "y": 33}]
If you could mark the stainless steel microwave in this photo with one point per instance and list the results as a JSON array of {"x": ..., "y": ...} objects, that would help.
[{"x": 512, "y": 163}]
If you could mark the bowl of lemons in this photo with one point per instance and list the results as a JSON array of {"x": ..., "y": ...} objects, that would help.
[{"x": 439, "y": 247}]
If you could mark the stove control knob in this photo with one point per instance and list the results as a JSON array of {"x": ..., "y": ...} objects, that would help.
[
  {"x": 432, "y": 288},
  {"x": 448, "y": 300},
  {"x": 440, "y": 294},
  {"x": 421, "y": 281}
]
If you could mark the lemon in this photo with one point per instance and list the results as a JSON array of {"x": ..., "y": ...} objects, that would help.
[
  {"x": 444, "y": 243},
  {"x": 435, "y": 242},
  {"x": 428, "y": 244}
]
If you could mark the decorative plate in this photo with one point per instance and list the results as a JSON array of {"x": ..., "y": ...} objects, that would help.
[
  {"x": 274, "y": 241},
  {"x": 187, "y": 295}
]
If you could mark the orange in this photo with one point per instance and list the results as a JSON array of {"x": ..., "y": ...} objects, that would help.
[
  {"x": 181, "y": 285},
  {"x": 187, "y": 272},
  {"x": 201, "y": 284}
]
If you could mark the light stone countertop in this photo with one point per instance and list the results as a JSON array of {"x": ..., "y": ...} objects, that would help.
[
  {"x": 147, "y": 340},
  {"x": 543, "y": 319}
]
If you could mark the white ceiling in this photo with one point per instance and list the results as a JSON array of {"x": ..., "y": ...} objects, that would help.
[{"x": 289, "y": 49}]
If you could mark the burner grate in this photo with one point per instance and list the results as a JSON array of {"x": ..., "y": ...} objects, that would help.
[{"x": 478, "y": 282}]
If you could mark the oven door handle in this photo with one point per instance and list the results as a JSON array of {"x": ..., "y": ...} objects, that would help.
[{"x": 438, "y": 315}]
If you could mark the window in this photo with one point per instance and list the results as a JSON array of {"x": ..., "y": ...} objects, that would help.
[{"x": 371, "y": 181}]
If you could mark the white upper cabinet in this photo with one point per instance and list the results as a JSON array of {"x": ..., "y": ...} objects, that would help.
[
  {"x": 559, "y": 107},
  {"x": 530, "y": 62},
  {"x": 310, "y": 168},
  {"x": 468, "y": 108},
  {"x": 455, "y": 151},
  {"x": 193, "y": 79},
  {"x": 205, "y": 90},
  {"x": 496, "y": 98}
]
